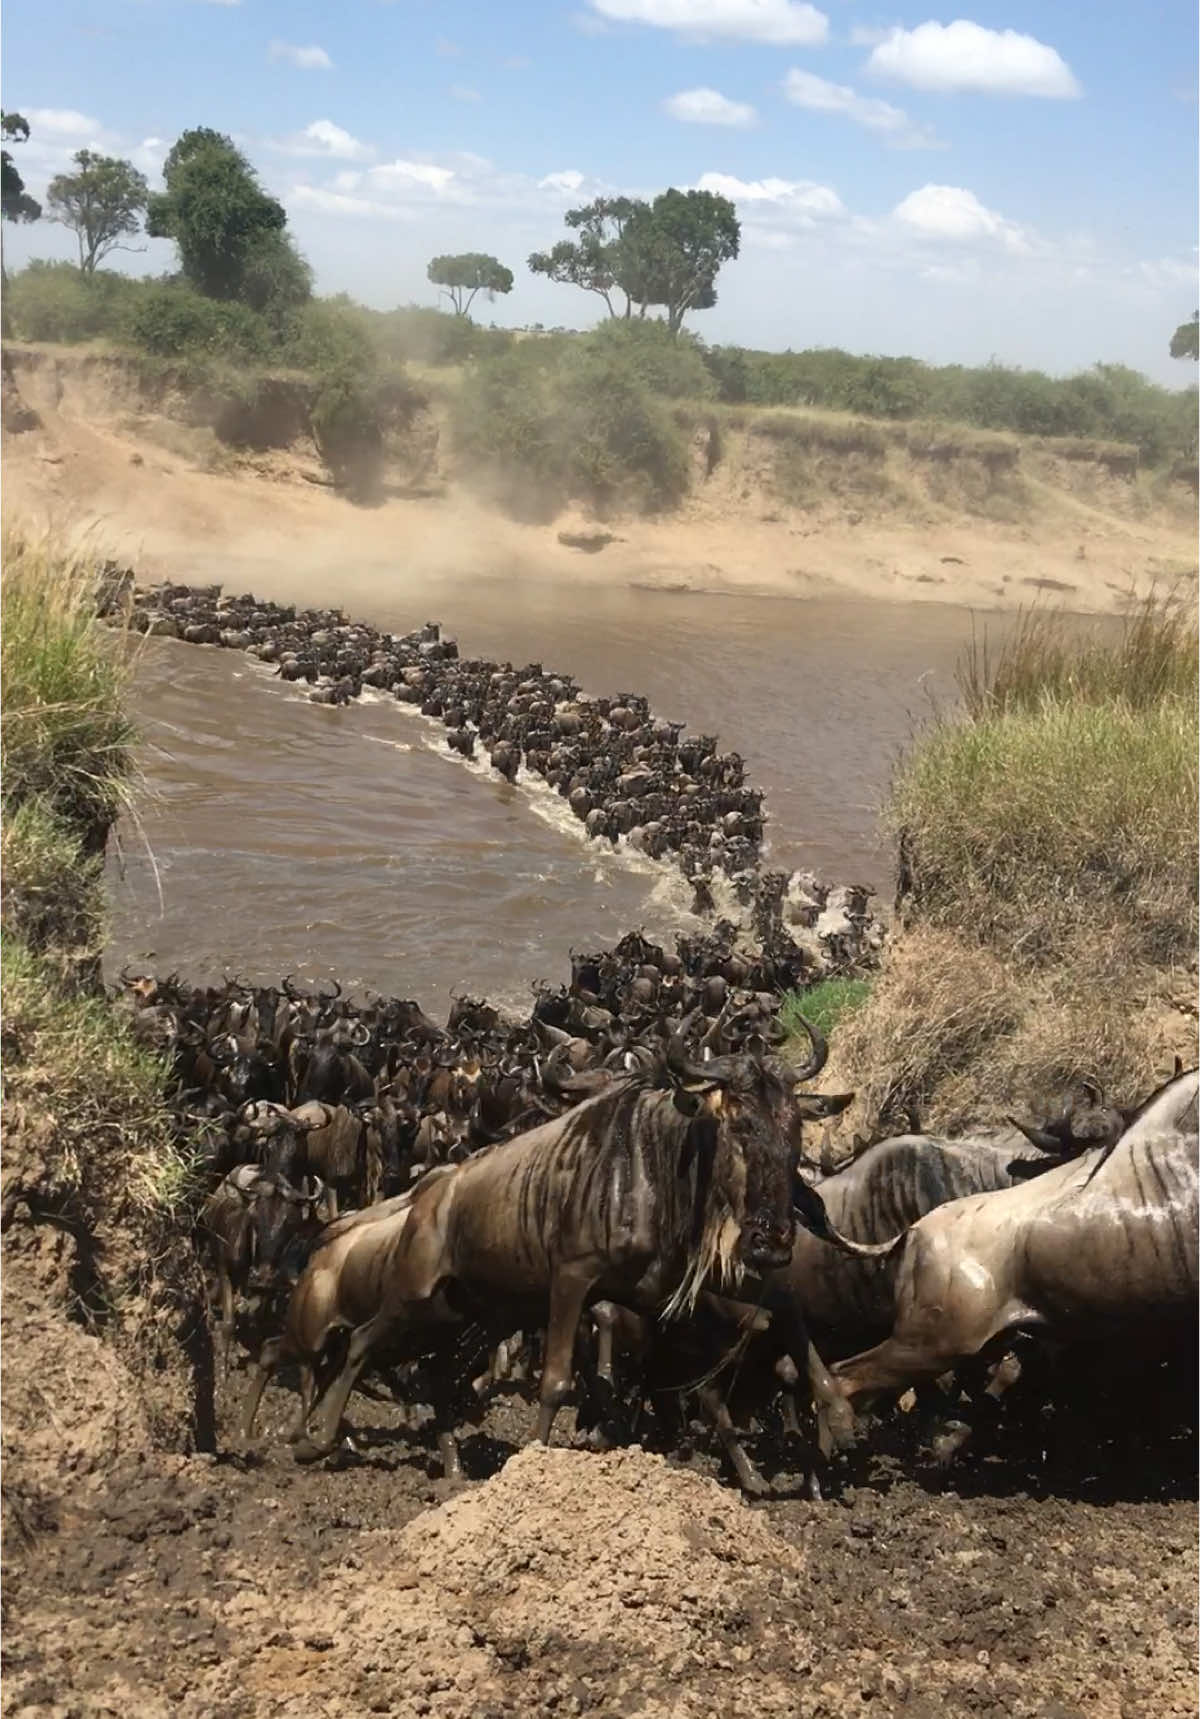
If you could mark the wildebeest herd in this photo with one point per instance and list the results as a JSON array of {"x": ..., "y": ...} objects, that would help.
[
  {"x": 627, "y": 1189},
  {"x": 626, "y": 774},
  {"x": 619, "y": 1182}
]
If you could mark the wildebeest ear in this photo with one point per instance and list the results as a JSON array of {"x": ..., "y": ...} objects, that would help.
[{"x": 815, "y": 1106}]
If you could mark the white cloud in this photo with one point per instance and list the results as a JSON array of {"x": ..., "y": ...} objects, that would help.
[
  {"x": 446, "y": 48},
  {"x": 221, "y": 2},
  {"x": 464, "y": 92},
  {"x": 805, "y": 89},
  {"x": 569, "y": 181},
  {"x": 780, "y": 22},
  {"x": 954, "y": 213},
  {"x": 340, "y": 203},
  {"x": 413, "y": 173},
  {"x": 799, "y": 196},
  {"x": 312, "y": 59},
  {"x": 966, "y": 56},
  {"x": 516, "y": 62},
  {"x": 60, "y": 122},
  {"x": 708, "y": 107},
  {"x": 325, "y": 138}
]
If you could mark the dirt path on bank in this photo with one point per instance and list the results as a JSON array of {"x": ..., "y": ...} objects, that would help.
[
  {"x": 571, "y": 1583},
  {"x": 130, "y": 485}
]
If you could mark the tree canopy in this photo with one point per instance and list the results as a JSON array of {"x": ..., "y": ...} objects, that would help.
[
  {"x": 595, "y": 261},
  {"x": 215, "y": 210},
  {"x": 102, "y": 202},
  {"x": 665, "y": 253},
  {"x": 461, "y": 277},
  {"x": 15, "y": 202},
  {"x": 1185, "y": 342}
]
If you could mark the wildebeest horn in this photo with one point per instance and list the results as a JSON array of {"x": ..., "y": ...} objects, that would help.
[
  {"x": 810, "y": 1212},
  {"x": 360, "y": 1034},
  {"x": 820, "y": 1052},
  {"x": 330, "y": 996},
  {"x": 686, "y": 1072},
  {"x": 1038, "y": 1137}
]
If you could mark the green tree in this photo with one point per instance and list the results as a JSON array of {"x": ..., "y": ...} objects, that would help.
[
  {"x": 1185, "y": 342},
  {"x": 673, "y": 250},
  {"x": 102, "y": 202},
  {"x": 276, "y": 279},
  {"x": 461, "y": 277},
  {"x": 595, "y": 261},
  {"x": 215, "y": 210},
  {"x": 15, "y": 202}
]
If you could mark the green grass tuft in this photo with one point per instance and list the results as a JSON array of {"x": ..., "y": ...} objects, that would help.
[{"x": 825, "y": 1004}]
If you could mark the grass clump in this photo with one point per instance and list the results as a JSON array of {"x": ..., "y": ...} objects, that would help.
[
  {"x": 826, "y": 1004},
  {"x": 64, "y": 734},
  {"x": 1048, "y": 880}
]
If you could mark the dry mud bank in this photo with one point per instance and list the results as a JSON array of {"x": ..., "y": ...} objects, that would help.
[{"x": 156, "y": 490}]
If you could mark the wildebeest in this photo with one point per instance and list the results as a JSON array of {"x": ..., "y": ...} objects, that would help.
[
  {"x": 656, "y": 1188},
  {"x": 1106, "y": 1239},
  {"x": 247, "y": 1226}
]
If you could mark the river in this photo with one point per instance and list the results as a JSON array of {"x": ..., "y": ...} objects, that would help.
[{"x": 275, "y": 836}]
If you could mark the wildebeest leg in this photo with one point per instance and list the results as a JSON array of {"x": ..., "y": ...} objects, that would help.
[
  {"x": 749, "y": 1479},
  {"x": 568, "y": 1292},
  {"x": 889, "y": 1366},
  {"x": 605, "y": 1316},
  {"x": 333, "y": 1406},
  {"x": 258, "y": 1374},
  {"x": 225, "y": 1328}
]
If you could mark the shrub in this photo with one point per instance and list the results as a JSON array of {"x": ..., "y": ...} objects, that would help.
[
  {"x": 327, "y": 335},
  {"x": 170, "y": 320},
  {"x": 671, "y": 367},
  {"x": 56, "y": 301},
  {"x": 545, "y": 426}
]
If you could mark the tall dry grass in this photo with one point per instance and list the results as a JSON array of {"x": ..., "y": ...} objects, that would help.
[{"x": 64, "y": 734}]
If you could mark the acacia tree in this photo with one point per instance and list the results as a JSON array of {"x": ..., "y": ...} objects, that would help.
[
  {"x": 215, "y": 210},
  {"x": 676, "y": 247},
  {"x": 102, "y": 203},
  {"x": 461, "y": 277},
  {"x": 664, "y": 253},
  {"x": 596, "y": 261},
  {"x": 1185, "y": 342}
]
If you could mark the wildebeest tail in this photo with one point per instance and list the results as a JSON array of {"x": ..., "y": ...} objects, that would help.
[{"x": 811, "y": 1213}]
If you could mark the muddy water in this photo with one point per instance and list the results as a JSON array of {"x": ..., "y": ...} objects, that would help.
[{"x": 277, "y": 836}]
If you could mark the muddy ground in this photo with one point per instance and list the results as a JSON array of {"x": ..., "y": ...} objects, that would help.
[{"x": 1049, "y": 1581}]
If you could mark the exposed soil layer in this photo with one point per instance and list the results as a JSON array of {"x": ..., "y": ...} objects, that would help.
[{"x": 571, "y": 1582}]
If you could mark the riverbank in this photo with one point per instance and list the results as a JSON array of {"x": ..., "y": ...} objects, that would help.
[{"x": 143, "y": 476}]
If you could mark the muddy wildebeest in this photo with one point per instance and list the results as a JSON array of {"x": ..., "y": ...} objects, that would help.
[
  {"x": 1106, "y": 1239},
  {"x": 647, "y": 1193},
  {"x": 248, "y": 1225}
]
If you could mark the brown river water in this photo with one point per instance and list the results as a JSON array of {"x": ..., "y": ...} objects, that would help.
[{"x": 274, "y": 836}]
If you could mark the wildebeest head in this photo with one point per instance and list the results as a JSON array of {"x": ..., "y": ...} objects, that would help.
[
  {"x": 280, "y": 1217},
  {"x": 742, "y": 1113}
]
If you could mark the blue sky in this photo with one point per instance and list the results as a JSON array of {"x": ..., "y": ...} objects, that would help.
[{"x": 1017, "y": 182}]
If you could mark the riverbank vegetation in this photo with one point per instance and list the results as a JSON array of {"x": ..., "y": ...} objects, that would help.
[
  {"x": 1047, "y": 833},
  {"x": 94, "y": 1177},
  {"x": 626, "y": 416}
]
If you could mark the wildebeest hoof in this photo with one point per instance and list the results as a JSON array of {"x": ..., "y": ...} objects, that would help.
[
  {"x": 948, "y": 1444},
  {"x": 304, "y": 1450},
  {"x": 836, "y": 1429}
]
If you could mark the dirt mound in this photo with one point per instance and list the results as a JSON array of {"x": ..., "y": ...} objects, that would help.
[{"x": 598, "y": 1578}]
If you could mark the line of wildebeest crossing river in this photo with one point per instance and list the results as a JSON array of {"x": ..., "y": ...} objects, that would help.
[{"x": 615, "y": 1186}]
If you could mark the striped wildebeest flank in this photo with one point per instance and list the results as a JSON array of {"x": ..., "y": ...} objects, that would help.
[
  {"x": 1106, "y": 1241},
  {"x": 663, "y": 1184}
]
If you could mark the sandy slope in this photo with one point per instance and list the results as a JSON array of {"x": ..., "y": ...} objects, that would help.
[{"x": 94, "y": 467}]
